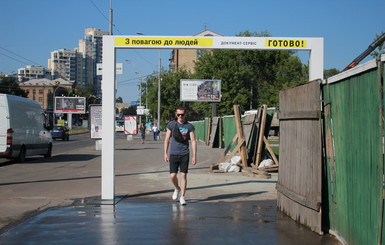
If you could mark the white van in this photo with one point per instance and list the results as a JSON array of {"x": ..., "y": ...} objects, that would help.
[{"x": 22, "y": 129}]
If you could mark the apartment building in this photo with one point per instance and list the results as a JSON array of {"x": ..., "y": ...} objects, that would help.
[
  {"x": 32, "y": 72},
  {"x": 91, "y": 48},
  {"x": 184, "y": 59},
  {"x": 63, "y": 64},
  {"x": 44, "y": 90}
]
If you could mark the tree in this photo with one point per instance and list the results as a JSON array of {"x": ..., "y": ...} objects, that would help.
[
  {"x": 8, "y": 85},
  {"x": 88, "y": 93},
  {"x": 330, "y": 72},
  {"x": 250, "y": 78},
  {"x": 376, "y": 53},
  {"x": 119, "y": 100}
]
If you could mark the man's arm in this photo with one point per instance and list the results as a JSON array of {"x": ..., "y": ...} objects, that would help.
[
  {"x": 194, "y": 148},
  {"x": 165, "y": 146}
]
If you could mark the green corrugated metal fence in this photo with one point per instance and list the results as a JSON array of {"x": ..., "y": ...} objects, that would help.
[
  {"x": 354, "y": 143},
  {"x": 199, "y": 130}
]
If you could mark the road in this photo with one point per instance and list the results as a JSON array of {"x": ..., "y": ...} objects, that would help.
[{"x": 76, "y": 141}]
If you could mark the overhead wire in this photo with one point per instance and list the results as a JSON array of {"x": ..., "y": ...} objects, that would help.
[
  {"x": 9, "y": 51},
  {"x": 116, "y": 28}
]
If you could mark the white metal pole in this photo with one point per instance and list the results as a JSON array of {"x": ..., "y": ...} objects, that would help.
[
  {"x": 159, "y": 79},
  {"x": 316, "y": 59},
  {"x": 108, "y": 121}
]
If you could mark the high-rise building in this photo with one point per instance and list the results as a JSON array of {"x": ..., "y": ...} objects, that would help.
[
  {"x": 63, "y": 64},
  {"x": 91, "y": 47}
]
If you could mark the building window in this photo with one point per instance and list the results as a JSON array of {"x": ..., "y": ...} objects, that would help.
[
  {"x": 40, "y": 99},
  {"x": 41, "y": 91}
]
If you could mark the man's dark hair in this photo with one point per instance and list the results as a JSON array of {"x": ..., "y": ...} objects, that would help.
[{"x": 180, "y": 108}]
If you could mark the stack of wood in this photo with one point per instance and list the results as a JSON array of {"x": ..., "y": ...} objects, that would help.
[{"x": 252, "y": 134}]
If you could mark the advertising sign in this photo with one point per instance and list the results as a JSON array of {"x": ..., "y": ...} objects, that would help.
[
  {"x": 118, "y": 69},
  {"x": 70, "y": 105},
  {"x": 130, "y": 126},
  {"x": 96, "y": 121},
  {"x": 140, "y": 110},
  {"x": 200, "y": 90}
]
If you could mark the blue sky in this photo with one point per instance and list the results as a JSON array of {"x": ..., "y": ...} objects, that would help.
[{"x": 32, "y": 29}]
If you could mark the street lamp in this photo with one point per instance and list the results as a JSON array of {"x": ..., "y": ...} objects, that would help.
[
  {"x": 159, "y": 79},
  {"x": 140, "y": 87}
]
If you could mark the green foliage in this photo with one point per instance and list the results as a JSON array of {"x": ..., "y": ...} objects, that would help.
[
  {"x": 87, "y": 92},
  {"x": 8, "y": 85},
  {"x": 376, "y": 53},
  {"x": 250, "y": 78},
  {"x": 119, "y": 100},
  {"x": 330, "y": 72}
]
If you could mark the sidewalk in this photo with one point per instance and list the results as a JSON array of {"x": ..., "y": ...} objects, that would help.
[{"x": 222, "y": 208}]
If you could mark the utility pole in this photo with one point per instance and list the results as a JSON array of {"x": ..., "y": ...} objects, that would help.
[
  {"x": 159, "y": 78},
  {"x": 111, "y": 25}
]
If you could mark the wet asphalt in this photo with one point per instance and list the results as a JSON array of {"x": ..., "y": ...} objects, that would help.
[
  {"x": 221, "y": 208},
  {"x": 156, "y": 221}
]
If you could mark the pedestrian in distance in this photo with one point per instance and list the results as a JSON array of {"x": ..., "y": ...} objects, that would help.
[
  {"x": 178, "y": 134},
  {"x": 142, "y": 131},
  {"x": 155, "y": 131}
]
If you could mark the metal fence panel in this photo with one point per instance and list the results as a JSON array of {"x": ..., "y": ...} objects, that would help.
[{"x": 354, "y": 158}]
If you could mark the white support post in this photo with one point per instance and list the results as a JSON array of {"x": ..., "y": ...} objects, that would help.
[
  {"x": 108, "y": 121},
  {"x": 111, "y": 43},
  {"x": 316, "y": 60}
]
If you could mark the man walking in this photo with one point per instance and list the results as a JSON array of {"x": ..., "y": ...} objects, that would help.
[{"x": 180, "y": 131}]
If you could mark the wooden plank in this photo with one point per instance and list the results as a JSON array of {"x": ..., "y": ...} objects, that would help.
[
  {"x": 260, "y": 137},
  {"x": 291, "y": 115},
  {"x": 214, "y": 130},
  {"x": 270, "y": 150},
  {"x": 248, "y": 126},
  {"x": 300, "y": 177},
  {"x": 316, "y": 206},
  {"x": 237, "y": 149},
  {"x": 221, "y": 159},
  {"x": 241, "y": 138},
  {"x": 272, "y": 168},
  {"x": 248, "y": 174},
  {"x": 255, "y": 140},
  {"x": 208, "y": 132}
]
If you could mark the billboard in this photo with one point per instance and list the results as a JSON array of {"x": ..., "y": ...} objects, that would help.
[
  {"x": 70, "y": 105},
  {"x": 130, "y": 126},
  {"x": 200, "y": 90},
  {"x": 96, "y": 121}
]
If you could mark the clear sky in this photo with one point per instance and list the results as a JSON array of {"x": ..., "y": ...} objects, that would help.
[{"x": 31, "y": 30}]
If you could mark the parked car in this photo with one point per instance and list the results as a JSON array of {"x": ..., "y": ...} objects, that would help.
[{"x": 60, "y": 132}]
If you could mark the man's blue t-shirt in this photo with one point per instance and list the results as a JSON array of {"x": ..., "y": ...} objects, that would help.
[{"x": 177, "y": 148}]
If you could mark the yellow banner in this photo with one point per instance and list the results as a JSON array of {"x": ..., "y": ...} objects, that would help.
[
  {"x": 285, "y": 43},
  {"x": 163, "y": 42}
]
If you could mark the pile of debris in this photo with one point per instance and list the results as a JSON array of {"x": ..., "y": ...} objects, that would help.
[{"x": 249, "y": 160}]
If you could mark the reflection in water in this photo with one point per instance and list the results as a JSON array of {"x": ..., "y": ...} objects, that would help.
[
  {"x": 179, "y": 232},
  {"x": 108, "y": 225}
]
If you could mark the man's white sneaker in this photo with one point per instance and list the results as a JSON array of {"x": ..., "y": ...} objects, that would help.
[
  {"x": 175, "y": 195},
  {"x": 182, "y": 201}
]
